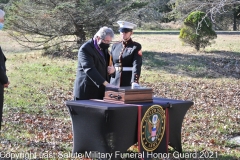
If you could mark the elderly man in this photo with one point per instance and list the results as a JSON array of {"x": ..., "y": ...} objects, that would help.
[
  {"x": 92, "y": 71},
  {"x": 3, "y": 77}
]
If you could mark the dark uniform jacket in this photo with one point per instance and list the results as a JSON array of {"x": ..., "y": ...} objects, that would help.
[
  {"x": 3, "y": 76},
  {"x": 91, "y": 72},
  {"x": 126, "y": 54},
  {"x": 3, "y": 80}
]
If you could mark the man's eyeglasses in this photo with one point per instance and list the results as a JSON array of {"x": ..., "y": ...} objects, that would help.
[{"x": 106, "y": 41}]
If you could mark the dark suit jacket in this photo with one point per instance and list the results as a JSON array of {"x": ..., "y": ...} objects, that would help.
[
  {"x": 3, "y": 76},
  {"x": 91, "y": 72}
]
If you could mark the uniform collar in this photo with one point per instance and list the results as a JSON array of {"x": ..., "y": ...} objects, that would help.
[{"x": 127, "y": 42}]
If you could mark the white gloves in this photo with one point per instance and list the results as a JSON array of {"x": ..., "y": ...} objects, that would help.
[{"x": 135, "y": 85}]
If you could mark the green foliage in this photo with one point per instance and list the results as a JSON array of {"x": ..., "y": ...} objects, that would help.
[
  {"x": 197, "y": 30},
  {"x": 135, "y": 5},
  {"x": 4, "y": 1}
]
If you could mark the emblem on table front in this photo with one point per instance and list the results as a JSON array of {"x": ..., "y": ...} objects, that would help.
[{"x": 153, "y": 127}]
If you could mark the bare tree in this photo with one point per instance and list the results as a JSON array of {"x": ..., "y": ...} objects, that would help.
[
  {"x": 44, "y": 24},
  {"x": 212, "y": 8},
  {"x": 48, "y": 23}
]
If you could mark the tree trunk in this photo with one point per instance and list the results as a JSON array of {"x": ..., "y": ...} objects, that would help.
[
  {"x": 80, "y": 33},
  {"x": 234, "y": 18}
]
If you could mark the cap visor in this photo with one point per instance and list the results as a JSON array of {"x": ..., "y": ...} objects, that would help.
[{"x": 125, "y": 30}]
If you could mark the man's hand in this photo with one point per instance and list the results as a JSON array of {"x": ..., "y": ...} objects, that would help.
[
  {"x": 6, "y": 85},
  {"x": 111, "y": 69}
]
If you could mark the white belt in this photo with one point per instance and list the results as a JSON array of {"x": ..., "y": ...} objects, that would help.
[{"x": 123, "y": 68}]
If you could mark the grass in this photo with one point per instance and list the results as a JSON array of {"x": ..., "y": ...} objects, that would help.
[
  {"x": 35, "y": 116},
  {"x": 36, "y": 119}
]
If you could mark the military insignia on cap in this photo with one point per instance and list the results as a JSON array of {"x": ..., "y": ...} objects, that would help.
[{"x": 125, "y": 24}]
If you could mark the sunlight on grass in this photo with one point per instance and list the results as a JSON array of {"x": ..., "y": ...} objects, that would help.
[
  {"x": 27, "y": 76},
  {"x": 36, "y": 118},
  {"x": 33, "y": 78}
]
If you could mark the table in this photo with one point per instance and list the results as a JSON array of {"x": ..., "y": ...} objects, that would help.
[{"x": 107, "y": 127}]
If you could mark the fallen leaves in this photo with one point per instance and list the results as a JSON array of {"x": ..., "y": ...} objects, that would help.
[
  {"x": 208, "y": 124},
  {"x": 213, "y": 117}
]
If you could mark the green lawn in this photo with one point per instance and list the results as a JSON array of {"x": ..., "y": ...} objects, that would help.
[{"x": 36, "y": 119}]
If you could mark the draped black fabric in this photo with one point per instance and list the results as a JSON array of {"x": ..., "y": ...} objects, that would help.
[
  {"x": 162, "y": 147},
  {"x": 113, "y": 128}
]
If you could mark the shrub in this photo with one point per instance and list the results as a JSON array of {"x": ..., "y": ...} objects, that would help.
[{"x": 197, "y": 30}]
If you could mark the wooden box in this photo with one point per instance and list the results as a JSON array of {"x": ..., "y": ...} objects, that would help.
[{"x": 128, "y": 95}]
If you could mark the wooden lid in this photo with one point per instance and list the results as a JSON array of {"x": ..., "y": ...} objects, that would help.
[{"x": 129, "y": 89}]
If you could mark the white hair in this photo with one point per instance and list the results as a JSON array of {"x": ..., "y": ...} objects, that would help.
[
  {"x": 2, "y": 13},
  {"x": 103, "y": 32}
]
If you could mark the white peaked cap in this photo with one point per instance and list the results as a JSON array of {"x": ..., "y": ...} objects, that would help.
[{"x": 125, "y": 24}]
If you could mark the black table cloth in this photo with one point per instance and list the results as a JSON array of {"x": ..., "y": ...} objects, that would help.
[{"x": 109, "y": 127}]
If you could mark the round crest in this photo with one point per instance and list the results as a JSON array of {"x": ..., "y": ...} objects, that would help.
[{"x": 152, "y": 127}]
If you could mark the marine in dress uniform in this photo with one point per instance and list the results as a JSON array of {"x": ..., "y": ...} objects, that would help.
[{"x": 126, "y": 57}]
